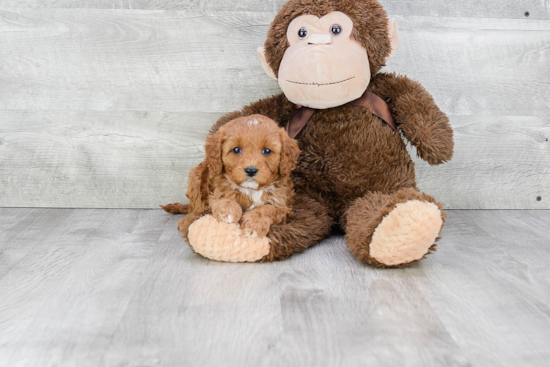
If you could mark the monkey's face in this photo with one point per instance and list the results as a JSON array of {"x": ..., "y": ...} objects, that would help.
[{"x": 323, "y": 67}]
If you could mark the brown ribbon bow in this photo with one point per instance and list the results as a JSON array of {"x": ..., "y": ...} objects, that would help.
[{"x": 376, "y": 105}]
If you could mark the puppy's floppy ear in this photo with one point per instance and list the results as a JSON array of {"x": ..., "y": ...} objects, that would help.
[
  {"x": 289, "y": 154},
  {"x": 213, "y": 150},
  {"x": 197, "y": 188}
]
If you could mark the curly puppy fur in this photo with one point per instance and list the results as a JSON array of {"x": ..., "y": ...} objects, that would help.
[
  {"x": 222, "y": 186},
  {"x": 354, "y": 168}
]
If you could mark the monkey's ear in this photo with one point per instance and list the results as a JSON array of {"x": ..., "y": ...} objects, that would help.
[
  {"x": 265, "y": 65},
  {"x": 394, "y": 37}
]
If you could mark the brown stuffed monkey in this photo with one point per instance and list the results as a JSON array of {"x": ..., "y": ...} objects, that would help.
[{"x": 351, "y": 122}]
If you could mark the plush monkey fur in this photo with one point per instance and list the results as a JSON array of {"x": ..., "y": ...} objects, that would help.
[{"x": 354, "y": 170}]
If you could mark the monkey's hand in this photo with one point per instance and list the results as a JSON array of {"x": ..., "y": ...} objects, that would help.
[{"x": 420, "y": 119}]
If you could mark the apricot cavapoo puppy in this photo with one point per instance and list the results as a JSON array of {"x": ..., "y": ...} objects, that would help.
[{"x": 245, "y": 177}]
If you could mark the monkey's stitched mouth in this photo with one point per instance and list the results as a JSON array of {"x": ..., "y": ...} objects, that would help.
[{"x": 319, "y": 84}]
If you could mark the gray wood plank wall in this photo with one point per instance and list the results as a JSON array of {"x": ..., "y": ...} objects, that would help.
[
  {"x": 538, "y": 9},
  {"x": 105, "y": 104}
]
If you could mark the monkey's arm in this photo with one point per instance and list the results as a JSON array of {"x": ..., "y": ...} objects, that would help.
[
  {"x": 276, "y": 107},
  {"x": 417, "y": 115}
]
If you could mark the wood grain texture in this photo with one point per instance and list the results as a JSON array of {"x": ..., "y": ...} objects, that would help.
[
  {"x": 499, "y": 163},
  {"x": 141, "y": 160},
  {"x": 201, "y": 5},
  {"x": 478, "y": 67},
  {"x": 462, "y": 8},
  {"x": 109, "y": 108},
  {"x": 86, "y": 59},
  {"x": 507, "y": 257},
  {"x": 98, "y": 159},
  {"x": 120, "y": 287}
]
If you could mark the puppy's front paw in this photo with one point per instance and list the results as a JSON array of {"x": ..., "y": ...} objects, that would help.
[
  {"x": 227, "y": 211},
  {"x": 255, "y": 225}
]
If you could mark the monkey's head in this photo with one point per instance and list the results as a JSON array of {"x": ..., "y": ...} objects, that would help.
[{"x": 325, "y": 52}]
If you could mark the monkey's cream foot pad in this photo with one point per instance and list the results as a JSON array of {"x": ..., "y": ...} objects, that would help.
[
  {"x": 407, "y": 233},
  {"x": 226, "y": 242}
]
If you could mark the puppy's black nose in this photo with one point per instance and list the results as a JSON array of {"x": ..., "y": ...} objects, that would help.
[{"x": 251, "y": 171}]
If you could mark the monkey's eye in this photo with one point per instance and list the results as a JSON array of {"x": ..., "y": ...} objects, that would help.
[
  {"x": 237, "y": 150},
  {"x": 266, "y": 151},
  {"x": 336, "y": 29},
  {"x": 302, "y": 33}
]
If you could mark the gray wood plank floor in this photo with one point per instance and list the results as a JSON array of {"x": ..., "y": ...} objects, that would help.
[{"x": 121, "y": 288}]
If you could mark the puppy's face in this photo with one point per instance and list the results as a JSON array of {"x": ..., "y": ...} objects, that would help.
[{"x": 252, "y": 152}]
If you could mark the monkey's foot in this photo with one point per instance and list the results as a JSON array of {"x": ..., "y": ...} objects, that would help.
[
  {"x": 393, "y": 230},
  {"x": 226, "y": 242},
  {"x": 406, "y": 234}
]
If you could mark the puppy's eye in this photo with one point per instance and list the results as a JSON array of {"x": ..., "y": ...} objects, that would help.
[
  {"x": 237, "y": 150},
  {"x": 336, "y": 30},
  {"x": 302, "y": 33},
  {"x": 266, "y": 151}
]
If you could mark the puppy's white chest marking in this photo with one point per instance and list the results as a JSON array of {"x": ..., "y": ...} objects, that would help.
[{"x": 254, "y": 195}]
